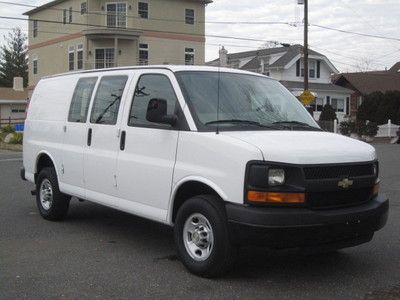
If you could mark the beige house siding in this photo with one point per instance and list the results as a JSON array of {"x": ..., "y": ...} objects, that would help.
[{"x": 166, "y": 40}]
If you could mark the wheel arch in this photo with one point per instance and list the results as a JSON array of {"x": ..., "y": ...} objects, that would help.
[
  {"x": 44, "y": 159},
  {"x": 189, "y": 187}
]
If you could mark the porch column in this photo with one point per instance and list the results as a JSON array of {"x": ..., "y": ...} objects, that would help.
[{"x": 116, "y": 54}]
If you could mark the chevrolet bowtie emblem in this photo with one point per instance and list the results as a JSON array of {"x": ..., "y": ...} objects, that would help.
[{"x": 345, "y": 183}]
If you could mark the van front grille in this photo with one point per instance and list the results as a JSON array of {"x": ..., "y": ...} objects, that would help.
[
  {"x": 335, "y": 199},
  {"x": 327, "y": 172}
]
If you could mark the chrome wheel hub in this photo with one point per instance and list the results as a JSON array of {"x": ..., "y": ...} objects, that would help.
[
  {"x": 198, "y": 237},
  {"x": 46, "y": 194}
]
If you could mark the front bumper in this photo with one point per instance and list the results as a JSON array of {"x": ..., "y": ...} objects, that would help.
[{"x": 285, "y": 227}]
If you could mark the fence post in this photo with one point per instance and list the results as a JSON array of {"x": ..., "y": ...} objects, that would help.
[
  {"x": 335, "y": 123},
  {"x": 389, "y": 128},
  {"x": 9, "y": 121}
]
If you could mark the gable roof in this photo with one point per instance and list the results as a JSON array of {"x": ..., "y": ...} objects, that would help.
[
  {"x": 288, "y": 54},
  {"x": 368, "y": 82},
  {"x": 55, "y": 2},
  {"x": 11, "y": 94},
  {"x": 395, "y": 67}
]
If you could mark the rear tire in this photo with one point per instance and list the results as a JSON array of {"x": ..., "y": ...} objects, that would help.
[
  {"x": 52, "y": 204},
  {"x": 201, "y": 236}
]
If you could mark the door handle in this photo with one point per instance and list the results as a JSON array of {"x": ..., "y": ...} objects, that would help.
[
  {"x": 89, "y": 137},
  {"x": 122, "y": 141}
]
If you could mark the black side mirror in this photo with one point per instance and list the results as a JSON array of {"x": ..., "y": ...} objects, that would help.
[{"x": 157, "y": 112}]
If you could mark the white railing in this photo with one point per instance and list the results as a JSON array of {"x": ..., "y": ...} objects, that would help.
[{"x": 388, "y": 130}]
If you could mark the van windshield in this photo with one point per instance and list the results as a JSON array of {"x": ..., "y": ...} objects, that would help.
[{"x": 244, "y": 100}]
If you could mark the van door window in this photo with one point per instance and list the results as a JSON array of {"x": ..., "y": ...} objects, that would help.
[
  {"x": 151, "y": 86},
  {"x": 107, "y": 100},
  {"x": 81, "y": 99}
]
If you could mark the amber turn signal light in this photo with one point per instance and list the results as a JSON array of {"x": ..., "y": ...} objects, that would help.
[
  {"x": 272, "y": 197},
  {"x": 376, "y": 189}
]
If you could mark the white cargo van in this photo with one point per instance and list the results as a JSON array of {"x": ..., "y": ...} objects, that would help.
[{"x": 225, "y": 157}]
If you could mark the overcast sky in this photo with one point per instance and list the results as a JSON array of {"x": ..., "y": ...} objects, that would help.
[{"x": 346, "y": 51}]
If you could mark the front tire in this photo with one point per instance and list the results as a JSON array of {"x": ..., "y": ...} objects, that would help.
[
  {"x": 52, "y": 204},
  {"x": 201, "y": 236}
]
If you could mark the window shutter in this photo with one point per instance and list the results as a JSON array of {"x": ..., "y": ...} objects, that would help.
[
  {"x": 298, "y": 68},
  {"x": 318, "y": 68},
  {"x": 347, "y": 106},
  {"x": 328, "y": 100}
]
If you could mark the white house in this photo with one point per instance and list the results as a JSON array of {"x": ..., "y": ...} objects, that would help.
[{"x": 286, "y": 65}]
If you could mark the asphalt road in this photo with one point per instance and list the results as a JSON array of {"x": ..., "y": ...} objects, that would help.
[{"x": 102, "y": 253}]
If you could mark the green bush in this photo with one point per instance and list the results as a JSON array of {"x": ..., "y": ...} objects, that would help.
[
  {"x": 17, "y": 138},
  {"x": 371, "y": 129},
  {"x": 360, "y": 128},
  {"x": 328, "y": 113},
  {"x": 347, "y": 127},
  {"x": 8, "y": 129},
  {"x": 378, "y": 107}
]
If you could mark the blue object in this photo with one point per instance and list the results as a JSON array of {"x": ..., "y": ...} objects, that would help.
[{"x": 19, "y": 127}]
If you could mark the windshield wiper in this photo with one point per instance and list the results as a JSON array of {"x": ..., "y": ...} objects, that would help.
[
  {"x": 248, "y": 122},
  {"x": 290, "y": 124}
]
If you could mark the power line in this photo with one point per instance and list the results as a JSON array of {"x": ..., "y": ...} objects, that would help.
[
  {"x": 156, "y": 19},
  {"x": 221, "y": 22},
  {"x": 357, "y": 33},
  {"x": 105, "y": 26}
]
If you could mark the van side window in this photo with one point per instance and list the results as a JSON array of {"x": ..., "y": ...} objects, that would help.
[
  {"x": 81, "y": 99},
  {"x": 151, "y": 86},
  {"x": 107, "y": 100}
]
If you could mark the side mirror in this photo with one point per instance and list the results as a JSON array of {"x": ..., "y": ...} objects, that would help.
[{"x": 157, "y": 112}]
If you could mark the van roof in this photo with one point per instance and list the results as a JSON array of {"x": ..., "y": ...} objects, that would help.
[{"x": 172, "y": 68}]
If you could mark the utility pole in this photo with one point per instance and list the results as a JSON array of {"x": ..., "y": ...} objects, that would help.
[{"x": 305, "y": 45}]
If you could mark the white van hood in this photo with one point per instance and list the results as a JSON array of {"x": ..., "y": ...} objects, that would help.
[{"x": 306, "y": 147}]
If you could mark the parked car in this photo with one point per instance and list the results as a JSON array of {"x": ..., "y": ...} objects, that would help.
[{"x": 226, "y": 157}]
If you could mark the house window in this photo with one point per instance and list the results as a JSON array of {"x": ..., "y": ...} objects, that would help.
[
  {"x": 189, "y": 56},
  {"x": 318, "y": 105},
  {"x": 35, "y": 28},
  {"x": 65, "y": 16},
  {"x": 71, "y": 58},
  {"x": 312, "y": 69},
  {"x": 116, "y": 14},
  {"x": 35, "y": 66},
  {"x": 17, "y": 109},
  {"x": 143, "y": 10},
  {"x": 83, "y": 8},
  {"x": 70, "y": 15},
  {"x": 338, "y": 104},
  {"x": 143, "y": 54},
  {"x": 79, "y": 57},
  {"x": 104, "y": 58},
  {"x": 189, "y": 16}
]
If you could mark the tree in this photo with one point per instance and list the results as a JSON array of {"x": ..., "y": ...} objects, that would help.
[
  {"x": 13, "y": 58},
  {"x": 328, "y": 113}
]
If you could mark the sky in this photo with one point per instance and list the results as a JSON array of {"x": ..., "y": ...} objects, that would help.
[{"x": 348, "y": 52}]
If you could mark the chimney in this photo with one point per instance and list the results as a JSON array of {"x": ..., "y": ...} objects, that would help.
[
  {"x": 18, "y": 84},
  {"x": 223, "y": 57}
]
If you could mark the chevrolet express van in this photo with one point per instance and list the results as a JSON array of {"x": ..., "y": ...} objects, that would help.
[{"x": 226, "y": 157}]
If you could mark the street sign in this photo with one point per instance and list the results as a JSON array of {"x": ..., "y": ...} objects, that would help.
[{"x": 307, "y": 97}]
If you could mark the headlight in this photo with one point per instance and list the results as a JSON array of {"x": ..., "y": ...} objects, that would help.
[{"x": 276, "y": 177}]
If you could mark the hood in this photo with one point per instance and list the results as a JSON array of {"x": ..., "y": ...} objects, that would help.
[{"x": 306, "y": 147}]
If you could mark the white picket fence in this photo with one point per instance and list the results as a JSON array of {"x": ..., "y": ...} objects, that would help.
[
  {"x": 388, "y": 130},
  {"x": 385, "y": 130}
]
